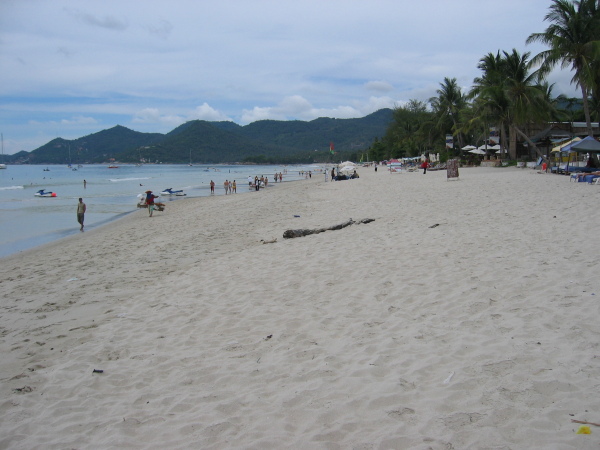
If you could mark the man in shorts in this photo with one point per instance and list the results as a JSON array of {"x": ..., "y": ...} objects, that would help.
[{"x": 80, "y": 213}]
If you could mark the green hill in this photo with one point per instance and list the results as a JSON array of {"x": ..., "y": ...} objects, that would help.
[{"x": 218, "y": 142}]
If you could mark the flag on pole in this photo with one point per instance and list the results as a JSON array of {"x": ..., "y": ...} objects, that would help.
[{"x": 331, "y": 148}]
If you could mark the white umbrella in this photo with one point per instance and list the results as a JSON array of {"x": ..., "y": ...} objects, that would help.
[
  {"x": 346, "y": 163},
  {"x": 347, "y": 168},
  {"x": 469, "y": 147},
  {"x": 477, "y": 151}
]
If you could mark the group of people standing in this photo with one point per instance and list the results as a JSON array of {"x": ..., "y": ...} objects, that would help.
[
  {"x": 229, "y": 186},
  {"x": 263, "y": 181}
]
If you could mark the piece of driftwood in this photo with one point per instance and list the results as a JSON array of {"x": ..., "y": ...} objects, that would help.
[
  {"x": 289, "y": 234},
  {"x": 584, "y": 422}
]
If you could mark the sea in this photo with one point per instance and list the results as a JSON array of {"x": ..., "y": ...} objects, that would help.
[{"x": 27, "y": 221}]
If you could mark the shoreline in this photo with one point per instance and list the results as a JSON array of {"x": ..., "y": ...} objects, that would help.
[
  {"x": 464, "y": 316},
  {"x": 23, "y": 245}
]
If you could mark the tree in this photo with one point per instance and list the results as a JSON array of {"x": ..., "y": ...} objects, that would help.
[
  {"x": 574, "y": 41},
  {"x": 447, "y": 107},
  {"x": 511, "y": 96},
  {"x": 411, "y": 131},
  {"x": 491, "y": 101}
]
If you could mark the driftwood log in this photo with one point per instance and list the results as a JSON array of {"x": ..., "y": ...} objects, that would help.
[{"x": 289, "y": 234}]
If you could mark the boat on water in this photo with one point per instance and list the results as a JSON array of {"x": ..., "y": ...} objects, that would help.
[
  {"x": 112, "y": 166},
  {"x": 43, "y": 193},
  {"x": 170, "y": 191}
]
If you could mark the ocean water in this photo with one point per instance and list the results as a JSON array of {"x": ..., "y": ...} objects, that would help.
[{"x": 27, "y": 221}]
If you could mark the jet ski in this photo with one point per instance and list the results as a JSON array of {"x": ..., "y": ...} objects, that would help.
[
  {"x": 43, "y": 193},
  {"x": 170, "y": 191}
]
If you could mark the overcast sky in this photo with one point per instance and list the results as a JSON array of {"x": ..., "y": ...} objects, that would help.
[{"x": 71, "y": 68}]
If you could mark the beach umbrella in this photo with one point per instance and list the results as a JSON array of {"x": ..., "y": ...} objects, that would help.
[
  {"x": 587, "y": 144},
  {"x": 347, "y": 168},
  {"x": 477, "y": 151},
  {"x": 346, "y": 163},
  {"x": 565, "y": 146},
  {"x": 469, "y": 147}
]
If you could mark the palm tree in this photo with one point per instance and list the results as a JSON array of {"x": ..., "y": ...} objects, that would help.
[
  {"x": 510, "y": 96},
  {"x": 573, "y": 39},
  {"x": 491, "y": 102},
  {"x": 448, "y": 105}
]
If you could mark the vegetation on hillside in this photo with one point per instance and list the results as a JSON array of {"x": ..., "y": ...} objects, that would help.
[{"x": 198, "y": 141}]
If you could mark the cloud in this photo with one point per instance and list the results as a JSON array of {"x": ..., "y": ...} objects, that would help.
[
  {"x": 156, "y": 117},
  {"x": 79, "y": 120},
  {"x": 162, "y": 29},
  {"x": 297, "y": 107},
  {"x": 293, "y": 106},
  {"x": 75, "y": 120},
  {"x": 206, "y": 112},
  {"x": 153, "y": 116},
  {"x": 379, "y": 86},
  {"x": 109, "y": 22}
]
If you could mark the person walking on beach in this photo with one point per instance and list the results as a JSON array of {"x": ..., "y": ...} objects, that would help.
[
  {"x": 80, "y": 213},
  {"x": 234, "y": 187},
  {"x": 212, "y": 187},
  {"x": 226, "y": 186},
  {"x": 84, "y": 184},
  {"x": 424, "y": 166},
  {"x": 249, "y": 181},
  {"x": 256, "y": 183},
  {"x": 150, "y": 202}
]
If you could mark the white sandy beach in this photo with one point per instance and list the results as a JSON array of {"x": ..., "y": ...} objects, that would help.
[{"x": 481, "y": 332}]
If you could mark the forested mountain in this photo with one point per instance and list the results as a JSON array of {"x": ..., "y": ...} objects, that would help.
[
  {"x": 98, "y": 147},
  {"x": 218, "y": 142}
]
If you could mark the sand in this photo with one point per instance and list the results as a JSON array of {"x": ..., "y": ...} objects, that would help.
[{"x": 464, "y": 317}]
